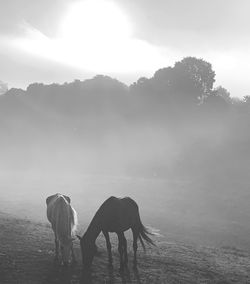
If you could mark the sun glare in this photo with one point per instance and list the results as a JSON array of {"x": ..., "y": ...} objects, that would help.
[
  {"x": 95, "y": 21},
  {"x": 94, "y": 35}
]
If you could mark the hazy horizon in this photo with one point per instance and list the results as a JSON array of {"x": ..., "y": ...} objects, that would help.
[{"x": 66, "y": 40}]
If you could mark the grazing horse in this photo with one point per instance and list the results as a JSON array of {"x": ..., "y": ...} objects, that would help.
[
  {"x": 115, "y": 215},
  {"x": 63, "y": 219}
]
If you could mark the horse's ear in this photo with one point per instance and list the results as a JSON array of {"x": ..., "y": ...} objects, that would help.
[{"x": 78, "y": 237}]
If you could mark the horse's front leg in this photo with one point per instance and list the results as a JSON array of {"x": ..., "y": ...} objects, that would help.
[
  {"x": 120, "y": 249},
  {"x": 56, "y": 249},
  {"x": 125, "y": 250},
  {"x": 106, "y": 235}
]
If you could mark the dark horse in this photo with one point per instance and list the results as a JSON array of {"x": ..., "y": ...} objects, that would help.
[{"x": 115, "y": 215}]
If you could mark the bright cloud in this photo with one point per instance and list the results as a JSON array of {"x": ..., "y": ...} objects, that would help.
[{"x": 94, "y": 36}]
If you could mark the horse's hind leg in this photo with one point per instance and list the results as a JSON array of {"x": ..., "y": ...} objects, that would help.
[
  {"x": 56, "y": 245},
  {"x": 135, "y": 246},
  {"x": 57, "y": 249},
  {"x": 106, "y": 235},
  {"x": 73, "y": 255}
]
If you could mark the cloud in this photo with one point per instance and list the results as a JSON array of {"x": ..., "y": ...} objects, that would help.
[
  {"x": 91, "y": 53},
  {"x": 162, "y": 33},
  {"x": 190, "y": 25}
]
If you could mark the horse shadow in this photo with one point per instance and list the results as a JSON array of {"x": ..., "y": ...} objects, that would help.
[
  {"x": 59, "y": 274},
  {"x": 125, "y": 277},
  {"x": 64, "y": 275}
]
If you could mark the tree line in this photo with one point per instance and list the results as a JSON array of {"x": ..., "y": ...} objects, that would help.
[{"x": 176, "y": 113}]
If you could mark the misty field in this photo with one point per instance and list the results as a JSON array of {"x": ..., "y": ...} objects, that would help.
[
  {"x": 202, "y": 236},
  {"x": 207, "y": 212}
]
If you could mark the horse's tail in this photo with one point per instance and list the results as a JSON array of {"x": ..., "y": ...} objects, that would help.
[{"x": 144, "y": 234}]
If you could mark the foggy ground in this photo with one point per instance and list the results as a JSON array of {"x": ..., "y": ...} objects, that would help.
[
  {"x": 27, "y": 251},
  {"x": 209, "y": 213},
  {"x": 203, "y": 232}
]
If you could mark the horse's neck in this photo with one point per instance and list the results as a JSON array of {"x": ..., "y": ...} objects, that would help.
[{"x": 94, "y": 228}]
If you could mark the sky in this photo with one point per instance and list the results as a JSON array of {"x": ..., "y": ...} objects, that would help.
[{"x": 62, "y": 40}]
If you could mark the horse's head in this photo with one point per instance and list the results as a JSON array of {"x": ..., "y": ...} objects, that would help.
[
  {"x": 66, "y": 248},
  {"x": 88, "y": 249}
]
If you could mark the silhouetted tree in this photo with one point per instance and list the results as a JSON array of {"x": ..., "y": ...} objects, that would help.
[
  {"x": 15, "y": 92},
  {"x": 164, "y": 80},
  {"x": 215, "y": 103},
  {"x": 246, "y": 99},
  {"x": 142, "y": 86},
  {"x": 187, "y": 83},
  {"x": 222, "y": 92},
  {"x": 195, "y": 78},
  {"x": 177, "y": 112},
  {"x": 237, "y": 101}
]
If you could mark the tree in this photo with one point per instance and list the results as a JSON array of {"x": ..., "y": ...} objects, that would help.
[
  {"x": 222, "y": 92},
  {"x": 246, "y": 99},
  {"x": 188, "y": 82},
  {"x": 141, "y": 86},
  {"x": 164, "y": 80},
  {"x": 215, "y": 103},
  {"x": 195, "y": 77}
]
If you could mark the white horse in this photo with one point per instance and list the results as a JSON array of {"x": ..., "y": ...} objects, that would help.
[{"x": 63, "y": 219}]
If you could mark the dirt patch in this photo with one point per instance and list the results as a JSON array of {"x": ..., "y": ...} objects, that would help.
[{"x": 27, "y": 253}]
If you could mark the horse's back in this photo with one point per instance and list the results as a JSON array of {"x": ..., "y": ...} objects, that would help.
[
  {"x": 54, "y": 196},
  {"x": 128, "y": 202},
  {"x": 115, "y": 205},
  {"x": 60, "y": 213},
  {"x": 53, "y": 203},
  {"x": 115, "y": 202},
  {"x": 118, "y": 214}
]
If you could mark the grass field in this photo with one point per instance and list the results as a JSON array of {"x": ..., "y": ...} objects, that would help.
[
  {"x": 27, "y": 253},
  {"x": 205, "y": 212},
  {"x": 203, "y": 231}
]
